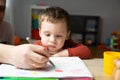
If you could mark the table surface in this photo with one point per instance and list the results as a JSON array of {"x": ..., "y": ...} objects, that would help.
[{"x": 96, "y": 68}]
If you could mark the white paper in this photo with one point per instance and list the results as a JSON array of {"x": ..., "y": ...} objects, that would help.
[{"x": 65, "y": 67}]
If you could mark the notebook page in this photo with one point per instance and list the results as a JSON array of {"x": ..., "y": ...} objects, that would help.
[{"x": 65, "y": 67}]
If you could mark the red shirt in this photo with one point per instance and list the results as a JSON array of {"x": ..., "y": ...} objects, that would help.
[{"x": 74, "y": 49}]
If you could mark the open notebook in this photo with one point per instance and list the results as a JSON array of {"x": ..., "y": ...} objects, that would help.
[{"x": 65, "y": 68}]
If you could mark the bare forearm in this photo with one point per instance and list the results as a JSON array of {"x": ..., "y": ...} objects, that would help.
[{"x": 5, "y": 51}]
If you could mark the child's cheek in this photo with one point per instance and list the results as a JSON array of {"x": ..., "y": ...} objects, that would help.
[{"x": 44, "y": 41}]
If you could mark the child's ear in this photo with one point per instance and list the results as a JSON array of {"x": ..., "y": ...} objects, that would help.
[{"x": 68, "y": 34}]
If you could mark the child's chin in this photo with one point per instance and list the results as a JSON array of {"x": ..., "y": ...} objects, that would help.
[{"x": 52, "y": 51}]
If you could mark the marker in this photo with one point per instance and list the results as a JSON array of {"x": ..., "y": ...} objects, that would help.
[{"x": 28, "y": 39}]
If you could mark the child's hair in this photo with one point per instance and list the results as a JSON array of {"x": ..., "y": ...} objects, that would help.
[{"x": 54, "y": 14}]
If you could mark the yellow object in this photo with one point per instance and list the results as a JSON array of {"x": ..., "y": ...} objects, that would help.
[
  {"x": 34, "y": 16},
  {"x": 109, "y": 57}
]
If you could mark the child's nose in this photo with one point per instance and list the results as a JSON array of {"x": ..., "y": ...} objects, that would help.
[{"x": 52, "y": 39}]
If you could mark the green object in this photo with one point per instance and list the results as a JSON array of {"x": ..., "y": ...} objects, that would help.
[{"x": 23, "y": 78}]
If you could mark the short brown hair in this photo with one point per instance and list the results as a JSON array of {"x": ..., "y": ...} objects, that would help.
[{"x": 54, "y": 14}]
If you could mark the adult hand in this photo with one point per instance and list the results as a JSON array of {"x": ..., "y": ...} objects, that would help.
[{"x": 28, "y": 56}]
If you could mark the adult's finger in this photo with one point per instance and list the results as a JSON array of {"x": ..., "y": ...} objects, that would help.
[{"x": 40, "y": 50}]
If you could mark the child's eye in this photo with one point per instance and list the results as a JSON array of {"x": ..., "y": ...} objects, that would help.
[
  {"x": 47, "y": 34},
  {"x": 58, "y": 36}
]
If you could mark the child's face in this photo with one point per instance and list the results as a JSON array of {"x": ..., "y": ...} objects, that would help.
[{"x": 53, "y": 35}]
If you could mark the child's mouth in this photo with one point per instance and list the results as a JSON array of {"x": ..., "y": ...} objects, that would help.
[{"x": 51, "y": 46}]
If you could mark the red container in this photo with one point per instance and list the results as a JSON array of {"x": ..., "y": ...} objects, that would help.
[{"x": 35, "y": 34}]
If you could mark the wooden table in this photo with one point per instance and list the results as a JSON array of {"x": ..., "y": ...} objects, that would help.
[{"x": 96, "y": 67}]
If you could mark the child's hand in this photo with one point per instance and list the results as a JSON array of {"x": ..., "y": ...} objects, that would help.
[{"x": 62, "y": 53}]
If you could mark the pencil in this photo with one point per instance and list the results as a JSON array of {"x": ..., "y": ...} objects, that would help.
[{"x": 28, "y": 39}]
